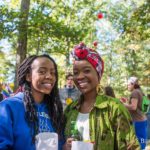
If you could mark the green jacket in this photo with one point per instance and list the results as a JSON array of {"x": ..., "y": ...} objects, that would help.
[{"x": 110, "y": 124}]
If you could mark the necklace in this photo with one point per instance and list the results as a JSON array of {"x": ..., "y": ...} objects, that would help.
[{"x": 86, "y": 109}]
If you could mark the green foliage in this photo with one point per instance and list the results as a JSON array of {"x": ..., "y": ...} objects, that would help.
[
  {"x": 54, "y": 27},
  {"x": 6, "y": 68},
  {"x": 139, "y": 23},
  {"x": 129, "y": 53}
]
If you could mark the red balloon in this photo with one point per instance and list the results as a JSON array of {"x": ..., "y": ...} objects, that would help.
[
  {"x": 100, "y": 15},
  {"x": 95, "y": 43}
]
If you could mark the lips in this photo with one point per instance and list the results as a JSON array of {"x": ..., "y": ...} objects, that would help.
[
  {"x": 47, "y": 85},
  {"x": 82, "y": 84}
]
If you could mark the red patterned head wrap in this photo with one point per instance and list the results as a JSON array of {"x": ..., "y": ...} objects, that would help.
[{"x": 81, "y": 52}]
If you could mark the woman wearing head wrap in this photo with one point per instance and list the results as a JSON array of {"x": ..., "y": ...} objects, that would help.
[
  {"x": 98, "y": 118},
  {"x": 135, "y": 109}
]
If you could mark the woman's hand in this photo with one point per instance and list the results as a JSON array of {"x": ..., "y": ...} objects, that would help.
[
  {"x": 67, "y": 145},
  {"x": 123, "y": 100}
]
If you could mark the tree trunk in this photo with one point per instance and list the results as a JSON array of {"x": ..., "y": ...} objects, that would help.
[{"x": 22, "y": 36}]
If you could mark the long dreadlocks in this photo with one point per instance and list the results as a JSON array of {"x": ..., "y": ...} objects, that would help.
[{"x": 52, "y": 100}]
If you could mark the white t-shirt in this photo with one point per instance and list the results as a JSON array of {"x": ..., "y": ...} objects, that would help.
[{"x": 83, "y": 126}]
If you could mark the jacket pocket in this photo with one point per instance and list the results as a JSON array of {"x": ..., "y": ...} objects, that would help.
[{"x": 106, "y": 141}]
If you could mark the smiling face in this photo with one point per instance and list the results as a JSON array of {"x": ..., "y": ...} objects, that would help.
[
  {"x": 85, "y": 77},
  {"x": 130, "y": 86},
  {"x": 42, "y": 77}
]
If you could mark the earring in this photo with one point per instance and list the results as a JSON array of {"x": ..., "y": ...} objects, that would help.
[{"x": 99, "y": 89}]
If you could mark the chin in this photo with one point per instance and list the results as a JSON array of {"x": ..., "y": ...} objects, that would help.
[
  {"x": 83, "y": 91},
  {"x": 47, "y": 92}
]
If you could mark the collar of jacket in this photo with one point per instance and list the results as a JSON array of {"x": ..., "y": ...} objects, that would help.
[{"x": 101, "y": 102}]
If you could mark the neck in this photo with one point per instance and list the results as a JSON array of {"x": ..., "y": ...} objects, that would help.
[
  {"x": 38, "y": 97},
  {"x": 88, "y": 102},
  {"x": 90, "y": 97}
]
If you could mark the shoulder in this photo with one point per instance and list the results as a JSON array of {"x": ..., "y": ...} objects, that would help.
[
  {"x": 71, "y": 106},
  {"x": 12, "y": 101},
  {"x": 76, "y": 90},
  {"x": 71, "y": 109},
  {"x": 105, "y": 101},
  {"x": 136, "y": 93},
  {"x": 62, "y": 90},
  {"x": 12, "y": 108},
  {"x": 112, "y": 105}
]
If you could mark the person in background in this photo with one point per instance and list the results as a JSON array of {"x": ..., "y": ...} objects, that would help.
[
  {"x": 135, "y": 108},
  {"x": 35, "y": 112},
  {"x": 99, "y": 119},
  {"x": 69, "y": 93},
  {"x": 148, "y": 123},
  {"x": 109, "y": 91},
  {"x": 5, "y": 92},
  {"x": 7, "y": 87}
]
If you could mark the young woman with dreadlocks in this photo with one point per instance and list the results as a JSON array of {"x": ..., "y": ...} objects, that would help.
[{"x": 34, "y": 113}]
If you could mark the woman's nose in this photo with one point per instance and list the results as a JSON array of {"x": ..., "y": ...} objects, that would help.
[
  {"x": 49, "y": 75},
  {"x": 80, "y": 75}
]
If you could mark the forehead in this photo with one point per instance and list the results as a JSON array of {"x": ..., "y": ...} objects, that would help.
[
  {"x": 42, "y": 62},
  {"x": 69, "y": 77},
  {"x": 129, "y": 83},
  {"x": 82, "y": 64}
]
